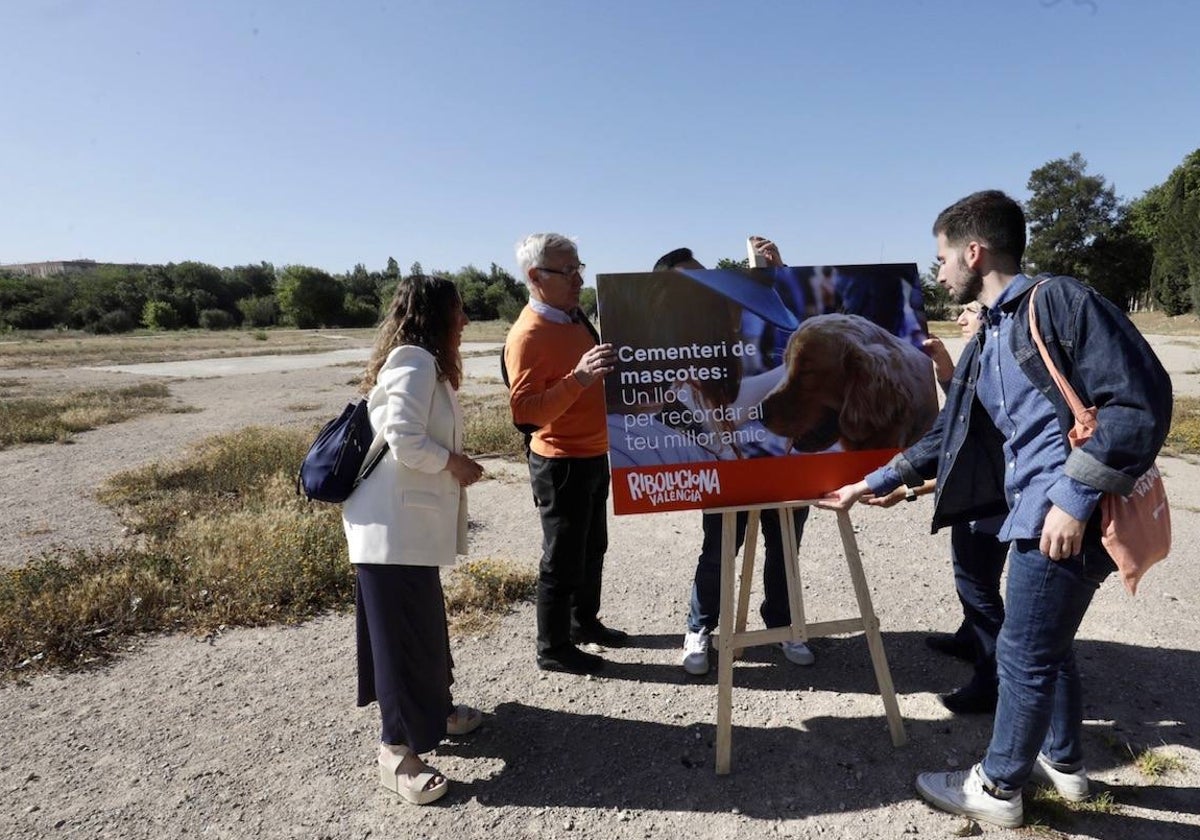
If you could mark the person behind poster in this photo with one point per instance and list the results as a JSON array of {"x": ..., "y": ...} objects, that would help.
[
  {"x": 681, "y": 393},
  {"x": 556, "y": 370},
  {"x": 682, "y": 390},
  {"x": 1001, "y": 442},
  {"x": 704, "y": 611},
  {"x": 977, "y": 559}
]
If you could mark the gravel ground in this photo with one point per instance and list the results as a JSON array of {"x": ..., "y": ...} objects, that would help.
[{"x": 254, "y": 733}]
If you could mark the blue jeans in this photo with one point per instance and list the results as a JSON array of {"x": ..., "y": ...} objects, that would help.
[
  {"x": 1041, "y": 699},
  {"x": 978, "y": 560},
  {"x": 705, "y": 609}
]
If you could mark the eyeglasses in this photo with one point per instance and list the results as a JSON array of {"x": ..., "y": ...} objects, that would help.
[{"x": 565, "y": 272}]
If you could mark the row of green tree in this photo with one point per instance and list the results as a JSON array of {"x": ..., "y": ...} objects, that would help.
[
  {"x": 118, "y": 298},
  {"x": 1143, "y": 253},
  {"x": 1140, "y": 253}
]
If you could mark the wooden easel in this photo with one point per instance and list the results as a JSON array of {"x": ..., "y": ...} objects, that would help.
[{"x": 733, "y": 636}]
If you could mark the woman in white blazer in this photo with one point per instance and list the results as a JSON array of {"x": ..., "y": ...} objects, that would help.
[{"x": 407, "y": 519}]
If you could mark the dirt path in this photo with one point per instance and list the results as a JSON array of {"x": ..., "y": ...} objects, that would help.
[{"x": 255, "y": 733}]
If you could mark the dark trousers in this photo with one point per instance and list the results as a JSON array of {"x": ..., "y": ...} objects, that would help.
[
  {"x": 404, "y": 652},
  {"x": 978, "y": 561},
  {"x": 705, "y": 610},
  {"x": 570, "y": 494}
]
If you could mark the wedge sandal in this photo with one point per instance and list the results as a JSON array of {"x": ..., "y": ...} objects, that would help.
[{"x": 421, "y": 789}]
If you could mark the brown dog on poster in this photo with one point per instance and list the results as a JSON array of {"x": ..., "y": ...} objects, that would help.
[{"x": 852, "y": 382}]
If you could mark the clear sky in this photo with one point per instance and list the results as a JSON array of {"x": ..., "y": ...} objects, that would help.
[{"x": 329, "y": 133}]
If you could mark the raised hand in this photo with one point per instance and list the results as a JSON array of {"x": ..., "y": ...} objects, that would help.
[{"x": 594, "y": 364}]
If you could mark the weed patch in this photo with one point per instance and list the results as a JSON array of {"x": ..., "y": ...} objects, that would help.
[
  {"x": 220, "y": 539},
  {"x": 1045, "y": 808},
  {"x": 47, "y": 419},
  {"x": 1154, "y": 764},
  {"x": 488, "y": 428},
  {"x": 1151, "y": 762},
  {"x": 1184, "y": 437},
  {"x": 479, "y": 591}
]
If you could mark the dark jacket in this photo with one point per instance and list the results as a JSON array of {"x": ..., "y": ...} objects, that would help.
[{"x": 1108, "y": 363}]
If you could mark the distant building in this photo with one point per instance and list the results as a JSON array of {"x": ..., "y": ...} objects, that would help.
[{"x": 49, "y": 269}]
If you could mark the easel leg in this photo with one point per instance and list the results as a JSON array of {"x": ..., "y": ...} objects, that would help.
[
  {"x": 791, "y": 560},
  {"x": 883, "y": 675},
  {"x": 725, "y": 645},
  {"x": 746, "y": 582}
]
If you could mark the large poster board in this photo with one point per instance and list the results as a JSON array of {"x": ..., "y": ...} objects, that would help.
[{"x": 755, "y": 386}]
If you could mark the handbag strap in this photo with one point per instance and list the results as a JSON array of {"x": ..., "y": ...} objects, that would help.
[{"x": 1064, "y": 387}]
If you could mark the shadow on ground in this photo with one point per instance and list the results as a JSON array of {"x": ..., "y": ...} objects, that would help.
[{"x": 1137, "y": 697}]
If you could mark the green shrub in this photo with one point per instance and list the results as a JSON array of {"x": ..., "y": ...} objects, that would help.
[
  {"x": 116, "y": 321},
  {"x": 509, "y": 310},
  {"x": 160, "y": 315},
  {"x": 359, "y": 312},
  {"x": 262, "y": 311},
  {"x": 216, "y": 319}
]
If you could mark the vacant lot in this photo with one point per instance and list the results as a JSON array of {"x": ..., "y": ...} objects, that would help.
[{"x": 253, "y": 732}]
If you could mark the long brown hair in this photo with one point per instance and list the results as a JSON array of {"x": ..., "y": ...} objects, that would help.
[{"x": 422, "y": 312}]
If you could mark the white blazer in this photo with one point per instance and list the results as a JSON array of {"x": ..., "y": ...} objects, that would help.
[{"x": 410, "y": 510}]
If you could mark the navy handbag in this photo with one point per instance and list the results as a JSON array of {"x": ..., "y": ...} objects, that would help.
[{"x": 333, "y": 466}]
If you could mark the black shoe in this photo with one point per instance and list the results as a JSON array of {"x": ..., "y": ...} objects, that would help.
[
  {"x": 600, "y": 635},
  {"x": 951, "y": 645},
  {"x": 570, "y": 660},
  {"x": 970, "y": 700}
]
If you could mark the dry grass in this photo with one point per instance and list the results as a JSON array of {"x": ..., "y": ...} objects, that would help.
[
  {"x": 488, "y": 428},
  {"x": 945, "y": 329},
  {"x": 220, "y": 539},
  {"x": 479, "y": 591},
  {"x": 58, "y": 349},
  {"x": 1159, "y": 323},
  {"x": 1184, "y": 437},
  {"x": 495, "y": 331},
  {"x": 1148, "y": 323},
  {"x": 33, "y": 419}
]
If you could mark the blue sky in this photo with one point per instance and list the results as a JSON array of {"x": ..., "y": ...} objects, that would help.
[{"x": 329, "y": 133}]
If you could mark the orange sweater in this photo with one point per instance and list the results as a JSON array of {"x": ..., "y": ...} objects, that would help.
[{"x": 541, "y": 356}]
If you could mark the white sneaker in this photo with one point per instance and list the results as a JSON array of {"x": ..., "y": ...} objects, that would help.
[
  {"x": 965, "y": 792},
  {"x": 797, "y": 653},
  {"x": 1072, "y": 787},
  {"x": 695, "y": 653}
]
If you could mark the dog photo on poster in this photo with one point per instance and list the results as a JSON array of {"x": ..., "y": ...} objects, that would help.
[{"x": 756, "y": 386}]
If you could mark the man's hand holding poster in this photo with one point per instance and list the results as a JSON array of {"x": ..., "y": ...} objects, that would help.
[{"x": 753, "y": 386}]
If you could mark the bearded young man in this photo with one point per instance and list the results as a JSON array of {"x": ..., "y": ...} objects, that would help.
[{"x": 1000, "y": 446}]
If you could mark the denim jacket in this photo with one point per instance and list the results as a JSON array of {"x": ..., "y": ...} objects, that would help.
[{"x": 1107, "y": 362}]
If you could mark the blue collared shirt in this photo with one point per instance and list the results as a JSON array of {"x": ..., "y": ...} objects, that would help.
[{"x": 1034, "y": 448}]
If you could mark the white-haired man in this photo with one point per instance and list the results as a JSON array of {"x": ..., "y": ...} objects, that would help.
[{"x": 555, "y": 368}]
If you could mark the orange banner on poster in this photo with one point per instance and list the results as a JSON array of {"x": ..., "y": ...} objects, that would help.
[{"x": 745, "y": 482}]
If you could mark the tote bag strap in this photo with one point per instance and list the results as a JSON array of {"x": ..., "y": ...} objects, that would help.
[{"x": 1064, "y": 387}]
